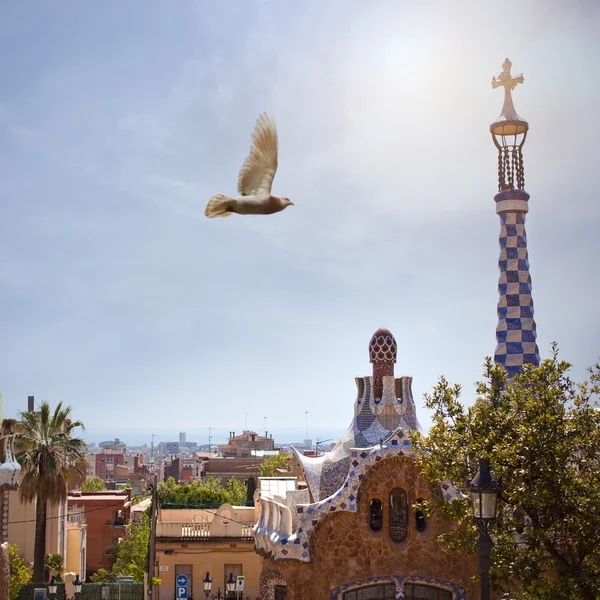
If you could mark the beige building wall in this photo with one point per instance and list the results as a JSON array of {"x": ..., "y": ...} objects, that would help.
[
  {"x": 187, "y": 515},
  {"x": 90, "y": 468},
  {"x": 21, "y": 527},
  {"x": 221, "y": 546},
  {"x": 76, "y": 549},
  {"x": 198, "y": 558}
]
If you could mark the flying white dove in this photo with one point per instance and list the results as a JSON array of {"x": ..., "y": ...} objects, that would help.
[{"x": 255, "y": 178}]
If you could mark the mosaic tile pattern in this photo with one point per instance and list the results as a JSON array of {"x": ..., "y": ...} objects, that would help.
[
  {"x": 458, "y": 592},
  {"x": 296, "y": 546},
  {"x": 382, "y": 354},
  {"x": 516, "y": 330},
  {"x": 374, "y": 420},
  {"x": 267, "y": 582}
]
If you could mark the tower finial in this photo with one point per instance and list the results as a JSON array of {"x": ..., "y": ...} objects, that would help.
[
  {"x": 382, "y": 353},
  {"x": 509, "y": 132},
  {"x": 509, "y": 83}
]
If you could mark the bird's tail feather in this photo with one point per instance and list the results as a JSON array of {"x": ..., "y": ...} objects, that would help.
[{"x": 219, "y": 206}]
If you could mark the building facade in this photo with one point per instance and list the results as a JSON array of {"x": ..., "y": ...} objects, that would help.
[
  {"x": 107, "y": 515},
  {"x": 246, "y": 444},
  {"x": 106, "y": 462},
  {"x": 194, "y": 542}
]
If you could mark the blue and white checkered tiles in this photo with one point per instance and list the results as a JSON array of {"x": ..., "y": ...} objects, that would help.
[{"x": 516, "y": 332}]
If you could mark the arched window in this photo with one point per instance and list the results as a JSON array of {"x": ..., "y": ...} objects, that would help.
[
  {"x": 418, "y": 591},
  {"x": 420, "y": 520},
  {"x": 376, "y": 520},
  {"x": 281, "y": 592},
  {"x": 382, "y": 591},
  {"x": 398, "y": 515}
]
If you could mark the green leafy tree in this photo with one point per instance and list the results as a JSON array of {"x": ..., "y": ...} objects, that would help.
[
  {"x": 55, "y": 565},
  {"x": 268, "y": 468},
  {"x": 101, "y": 576},
  {"x": 237, "y": 492},
  {"x": 93, "y": 484},
  {"x": 208, "y": 493},
  {"x": 19, "y": 574},
  {"x": 541, "y": 434},
  {"x": 131, "y": 553},
  {"x": 50, "y": 458}
]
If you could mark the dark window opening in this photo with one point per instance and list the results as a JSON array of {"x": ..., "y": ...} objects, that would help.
[
  {"x": 398, "y": 515},
  {"x": 280, "y": 592},
  {"x": 376, "y": 514},
  {"x": 417, "y": 591},
  {"x": 384, "y": 591},
  {"x": 420, "y": 520}
]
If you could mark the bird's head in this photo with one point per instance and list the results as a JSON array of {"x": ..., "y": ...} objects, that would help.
[{"x": 286, "y": 202}]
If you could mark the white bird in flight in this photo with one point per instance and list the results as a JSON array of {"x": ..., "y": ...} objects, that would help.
[{"x": 255, "y": 178}]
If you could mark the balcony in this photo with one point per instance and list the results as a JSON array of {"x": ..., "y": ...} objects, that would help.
[
  {"x": 202, "y": 530},
  {"x": 204, "y": 525}
]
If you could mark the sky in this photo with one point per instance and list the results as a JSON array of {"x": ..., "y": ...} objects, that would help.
[{"x": 118, "y": 122}]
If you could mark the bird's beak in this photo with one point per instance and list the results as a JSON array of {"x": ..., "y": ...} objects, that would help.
[{"x": 291, "y": 203}]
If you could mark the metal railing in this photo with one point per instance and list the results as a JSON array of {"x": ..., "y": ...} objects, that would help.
[{"x": 198, "y": 530}]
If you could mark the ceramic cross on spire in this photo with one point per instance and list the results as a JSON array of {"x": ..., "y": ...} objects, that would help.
[{"x": 509, "y": 83}]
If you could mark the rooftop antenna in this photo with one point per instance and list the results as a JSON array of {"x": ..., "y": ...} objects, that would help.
[
  {"x": 152, "y": 448},
  {"x": 246, "y": 422},
  {"x": 265, "y": 425},
  {"x": 209, "y": 438},
  {"x": 306, "y": 421}
]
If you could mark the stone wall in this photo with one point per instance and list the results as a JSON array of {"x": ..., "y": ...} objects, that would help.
[{"x": 344, "y": 548}]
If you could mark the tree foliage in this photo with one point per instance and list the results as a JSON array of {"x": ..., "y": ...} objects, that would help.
[
  {"x": 50, "y": 457},
  {"x": 268, "y": 468},
  {"x": 210, "y": 492},
  {"x": 19, "y": 574},
  {"x": 55, "y": 565},
  {"x": 93, "y": 484},
  {"x": 101, "y": 576},
  {"x": 131, "y": 553},
  {"x": 541, "y": 434}
]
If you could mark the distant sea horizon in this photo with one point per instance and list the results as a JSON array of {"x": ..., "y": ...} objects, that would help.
[{"x": 219, "y": 435}]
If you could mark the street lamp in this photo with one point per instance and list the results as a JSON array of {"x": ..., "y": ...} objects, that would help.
[
  {"x": 77, "y": 587},
  {"x": 207, "y": 581},
  {"x": 53, "y": 587},
  {"x": 230, "y": 585},
  {"x": 484, "y": 497}
]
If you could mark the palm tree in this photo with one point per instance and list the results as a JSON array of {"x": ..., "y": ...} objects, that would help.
[{"x": 51, "y": 459}]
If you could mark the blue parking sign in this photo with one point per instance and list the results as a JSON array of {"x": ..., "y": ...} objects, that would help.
[{"x": 181, "y": 591}]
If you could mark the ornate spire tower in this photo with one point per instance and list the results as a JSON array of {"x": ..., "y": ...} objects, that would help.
[{"x": 516, "y": 332}]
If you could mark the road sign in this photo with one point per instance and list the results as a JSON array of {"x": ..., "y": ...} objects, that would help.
[
  {"x": 181, "y": 580},
  {"x": 239, "y": 584},
  {"x": 181, "y": 591}
]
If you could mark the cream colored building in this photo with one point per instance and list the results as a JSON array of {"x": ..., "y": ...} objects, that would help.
[
  {"x": 76, "y": 559},
  {"x": 192, "y": 542},
  {"x": 21, "y": 527}
]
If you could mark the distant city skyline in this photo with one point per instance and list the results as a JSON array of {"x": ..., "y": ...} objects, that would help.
[{"x": 133, "y": 437}]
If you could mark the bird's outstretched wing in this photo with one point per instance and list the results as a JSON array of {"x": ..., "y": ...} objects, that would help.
[{"x": 258, "y": 170}]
